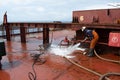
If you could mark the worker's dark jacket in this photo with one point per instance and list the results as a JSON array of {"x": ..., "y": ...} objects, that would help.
[{"x": 88, "y": 33}]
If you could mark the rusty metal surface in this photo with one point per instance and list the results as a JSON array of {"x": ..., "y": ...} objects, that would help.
[
  {"x": 18, "y": 62},
  {"x": 98, "y": 15}
]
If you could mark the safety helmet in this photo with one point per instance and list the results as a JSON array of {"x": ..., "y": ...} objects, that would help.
[{"x": 83, "y": 28}]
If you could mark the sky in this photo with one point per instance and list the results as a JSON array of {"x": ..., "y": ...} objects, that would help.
[{"x": 48, "y": 10}]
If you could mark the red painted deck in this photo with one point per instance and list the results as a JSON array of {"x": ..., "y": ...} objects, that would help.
[{"x": 18, "y": 63}]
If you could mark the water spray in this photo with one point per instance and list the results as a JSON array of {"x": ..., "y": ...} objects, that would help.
[{"x": 64, "y": 51}]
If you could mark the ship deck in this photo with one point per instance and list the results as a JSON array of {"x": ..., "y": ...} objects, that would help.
[{"x": 18, "y": 62}]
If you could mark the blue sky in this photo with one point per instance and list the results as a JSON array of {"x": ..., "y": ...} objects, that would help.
[{"x": 48, "y": 10}]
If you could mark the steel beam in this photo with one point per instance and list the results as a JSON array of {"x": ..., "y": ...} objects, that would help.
[
  {"x": 22, "y": 33},
  {"x": 45, "y": 34}
]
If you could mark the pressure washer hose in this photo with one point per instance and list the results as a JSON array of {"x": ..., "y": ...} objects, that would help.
[
  {"x": 105, "y": 58},
  {"x": 109, "y": 60},
  {"x": 89, "y": 70},
  {"x": 102, "y": 77},
  {"x": 108, "y": 74}
]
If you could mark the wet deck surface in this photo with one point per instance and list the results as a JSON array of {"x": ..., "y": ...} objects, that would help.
[{"x": 18, "y": 63}]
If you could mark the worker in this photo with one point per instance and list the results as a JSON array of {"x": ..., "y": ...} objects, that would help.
[
  {"x": 93, "y": 36},
  {"x": 66, "y": 40}
]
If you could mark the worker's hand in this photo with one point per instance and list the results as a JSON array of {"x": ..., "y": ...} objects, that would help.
[{"x": 84, "y": 39}]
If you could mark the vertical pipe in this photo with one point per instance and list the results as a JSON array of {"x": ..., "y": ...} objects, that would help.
[
  {"x": 45, "y": 34},
  {"x": 7, "y": 28},
  {"x": 22, "y": 33},
  {"x": 8, "y": 33}
]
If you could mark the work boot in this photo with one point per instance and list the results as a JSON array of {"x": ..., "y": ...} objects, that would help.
[{"x": 91, "y": 52}]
